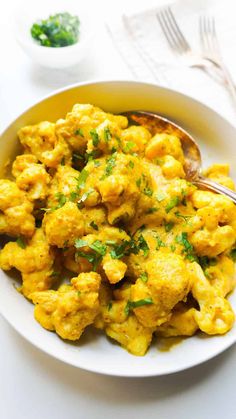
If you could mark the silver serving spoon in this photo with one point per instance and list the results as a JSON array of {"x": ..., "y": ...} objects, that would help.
[{"x": 156, "y": 123}]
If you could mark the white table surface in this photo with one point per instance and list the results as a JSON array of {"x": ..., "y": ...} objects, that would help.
[{"x": 34, "y": 385}]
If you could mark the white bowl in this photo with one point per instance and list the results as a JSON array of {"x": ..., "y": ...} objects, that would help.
[
  {"x": 95, "y": 352},
  {"x": 59, "y": 58}
]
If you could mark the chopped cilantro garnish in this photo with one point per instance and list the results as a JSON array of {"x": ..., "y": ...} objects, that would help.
[
  {"x": 188, "y": 247},
  {"x": 80, "y": 243},
  {"x": 21, "y": 242},
  {"x": 95, "y": 137},
  {"x": 172, "y": 247},
  {"x": 169, "y": 226},
  {"x": 184, "y": 217},
  {"x": 85, "y": 196},
  {"x": 142, "y": 244},
  {"x": 78, "y": 293},
  {"x": 58, "y": 30},
  {"x": 128, "y": 146},
  {"x": 205, "y": 262},
  {"x": 151, "y": 210},
  {"x": 144, "y": 276},
  {"x": 125, "y": 248},
  {"x": 131, "y": 164},
  {"x": 160, "y": 243},
  {"x": 98, "y": 247},
  {"x": 94, "y": 225},
  {"x": 109, "y": 306},
  {"x": 135, "y": 304},
  {"x": 107, "y": 134},
  {"x": 79, "y": 131},
  {"x": 172, "y": 203},
  {"x": 73, "y": 196},
  {"x": 63, "y": 161},
  {"x": 147, "y": 191},
  {"x": 96, "y": 163},
  {"x": 81, "y": 179},
  {"x": 233, "y": 254},
  {"x": 94, "y": 258},
  {"x": 138, "y": 182},
  {"x": 111, "y": 162},
  {"x": 61, "y": 200}
]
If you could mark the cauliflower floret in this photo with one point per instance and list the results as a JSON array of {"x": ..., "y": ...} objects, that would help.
[
  {"x": 42, "y": 141},
  {"x": 76, "y": 128},
  {"x": 168, "y": 282},
  {"x": 220, "y": 173},
  {"x": 64, "y": 183},
  {"x": 181, "y": 323},
  {"x": 215, "y": 315},
  {"x": 64, "y": 225},
  {"x": 171, "y": 167},
  {"x": 120, "y": 324},
  {"x": 114, "y": 269},
  {"x": 212, "y": 243},
  {"x": 134, "y": 139},
  {"x": 132, "y": 335},
  {"x": 31, "y": 177},
  {"x": 70, "y": 309},
  {"x": 15, "y": 218},
  {"x": 163, "y": 144},
  {"x": 118, "y": 186},
  {"x": 222, "y": 275},
  {"x": 34, "y": 261}
]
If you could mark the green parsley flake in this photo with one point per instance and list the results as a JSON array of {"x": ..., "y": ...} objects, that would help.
[
  {"x": 111, "y": 162},
  {"x": 160, "y": 243},
  {"x": 233, "y": 255},
  {"x": 144, "y": 276},
  {"x": 81, "y": 179},
  {"x": 169, "y": 226},
  {"x": 142, "y": 244},
  {"x": 138, "y": 182},
  {"x": 188, "y": 247},
  {"x": 79, "y": 131},
  {"x": 135, "y": 304},
  {"x": 151, "y": 210},
  {"x": 147, "y": 191},
  {"x": 109, "y": 306},
  {"x": 61, "y": 200},
  {"x": 94, "y": 225},
  {"x": 172, "y": 203},
  {"x": 131, "y": 164},
  {"x": 128, "y": 146},
  {"x": 107, "y": 134},
  {"x": 95, "y": 137},
  {"x": 21, "y": 242}
]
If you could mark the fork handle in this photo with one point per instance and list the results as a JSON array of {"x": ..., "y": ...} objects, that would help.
[
  {"x": 205, "y": 183},
  {"x": 230, "y": 83}
]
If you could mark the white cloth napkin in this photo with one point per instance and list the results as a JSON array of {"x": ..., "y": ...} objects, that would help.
[{"x": 144, "y": 49}]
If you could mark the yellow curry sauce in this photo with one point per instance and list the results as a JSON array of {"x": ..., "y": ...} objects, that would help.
[{"x": 151, "y": 255}]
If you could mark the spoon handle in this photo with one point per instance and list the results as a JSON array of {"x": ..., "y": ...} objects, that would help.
[{"x": 209, "y": 184}]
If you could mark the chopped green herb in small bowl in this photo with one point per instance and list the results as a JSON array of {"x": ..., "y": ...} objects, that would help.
[
  {"x": 52, "y": 36},
  {"x": 59, "y": 30}
]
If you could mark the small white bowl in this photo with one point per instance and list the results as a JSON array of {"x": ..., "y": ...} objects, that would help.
[{"x": 25, "y": 17}]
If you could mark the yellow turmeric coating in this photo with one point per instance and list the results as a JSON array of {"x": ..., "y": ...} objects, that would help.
[{"x": 108, "y": 202}]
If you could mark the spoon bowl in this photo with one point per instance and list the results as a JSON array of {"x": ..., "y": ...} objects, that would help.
[{"x": 156, "y": 123}]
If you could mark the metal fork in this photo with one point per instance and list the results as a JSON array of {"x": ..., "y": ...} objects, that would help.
[
  {"x": 211, "y": 49},
  {"x": 180, "y": 46}
]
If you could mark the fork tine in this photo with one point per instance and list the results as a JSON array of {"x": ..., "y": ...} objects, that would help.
[
  {"x": 171, "y": 31},
  {"x": 162, "y": 21},
  {"x": 177, "y": 30}
]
